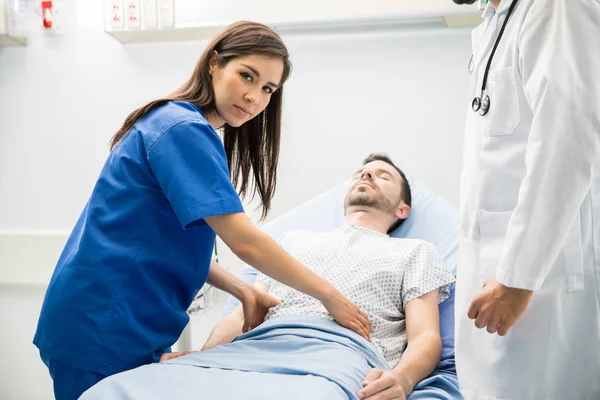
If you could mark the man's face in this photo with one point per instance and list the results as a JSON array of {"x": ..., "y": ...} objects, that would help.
[{"x": 377, "y": 185}]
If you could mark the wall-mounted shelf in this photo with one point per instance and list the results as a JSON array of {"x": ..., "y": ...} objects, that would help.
[
  {"x": 166, "y": 34},
  {"x": 293, "y": 19},
  {"x": 462, "y": 20},
  {"x": 205, "y": 32}
]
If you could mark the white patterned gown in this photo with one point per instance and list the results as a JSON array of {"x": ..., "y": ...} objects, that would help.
[{"x": 379, "y": 273}]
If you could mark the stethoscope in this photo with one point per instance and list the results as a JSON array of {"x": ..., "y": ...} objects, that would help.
[{"x": 481, "y": 104}]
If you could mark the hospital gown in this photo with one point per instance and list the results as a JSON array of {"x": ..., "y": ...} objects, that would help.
[{"x": 379, "y": 273}]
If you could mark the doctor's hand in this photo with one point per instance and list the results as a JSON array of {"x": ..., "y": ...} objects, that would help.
[
  {"x": 382, "y": 385},
  {"x": 256, "y": 305},
  {"x": 498, "y": 307}
]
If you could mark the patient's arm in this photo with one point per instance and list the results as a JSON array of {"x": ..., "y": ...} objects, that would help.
[
  {"x": 226, "y": 329},
  {"x": 422, "y": 354},
  {"x": 424, "y": 343},
  {"x": 232, "y": 325},
  {"x": 255, "y": 303}
]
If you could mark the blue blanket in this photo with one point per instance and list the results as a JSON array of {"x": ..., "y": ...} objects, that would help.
[{"x": 289, "y": 357}]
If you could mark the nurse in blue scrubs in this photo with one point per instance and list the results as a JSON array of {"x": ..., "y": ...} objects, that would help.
[{"x": 142, "y": 246}]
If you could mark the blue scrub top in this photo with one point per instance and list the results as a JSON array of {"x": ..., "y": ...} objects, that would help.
[{"x": 140, "y": 250}]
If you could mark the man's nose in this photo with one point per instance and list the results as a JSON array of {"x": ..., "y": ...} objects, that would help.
[{"x": 366, "y": 174}]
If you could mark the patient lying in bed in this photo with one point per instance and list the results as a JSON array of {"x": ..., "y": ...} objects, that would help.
[{"x": 299, "y": 351}]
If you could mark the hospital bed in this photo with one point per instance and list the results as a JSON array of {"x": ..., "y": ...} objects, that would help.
[
  {"x": 301, "y": 357},
  {"x": 432, "y": 218}
]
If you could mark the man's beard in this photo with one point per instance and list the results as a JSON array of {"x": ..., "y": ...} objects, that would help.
[
  {"x": 464, "y": 1},
  {"x": 373, "y": 200}
]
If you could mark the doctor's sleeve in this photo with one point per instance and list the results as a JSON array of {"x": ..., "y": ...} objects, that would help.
[
  {"x": 559, "y": 46},
  {"x": 190, "y": 165}
]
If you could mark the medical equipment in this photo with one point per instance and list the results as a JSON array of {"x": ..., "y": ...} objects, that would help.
[{"x": 481, "y": 104}]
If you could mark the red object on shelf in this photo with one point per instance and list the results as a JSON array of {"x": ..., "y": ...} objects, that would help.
[{"x": 47, "y": 14}]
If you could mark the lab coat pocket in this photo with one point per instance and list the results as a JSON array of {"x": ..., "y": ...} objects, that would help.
[
  {"x": 492, "y": 230},
  {"x": 504, "y": 114},
  {"x": 573, "y": 257}
]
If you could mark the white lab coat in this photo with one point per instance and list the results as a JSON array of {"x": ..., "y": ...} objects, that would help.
[{"x": 530, "y": 203}]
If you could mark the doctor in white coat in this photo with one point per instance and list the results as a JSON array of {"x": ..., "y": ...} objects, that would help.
[{"x": 528, "y": 288}]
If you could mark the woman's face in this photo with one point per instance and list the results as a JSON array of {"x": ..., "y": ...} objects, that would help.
[{"x": 243, "y": 88}]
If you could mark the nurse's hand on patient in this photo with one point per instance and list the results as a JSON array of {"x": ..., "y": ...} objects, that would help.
[
  {"x": 256, "y": 305},
  {"x": 497, "y": 307},
  {"x": 347, "y": 314}
]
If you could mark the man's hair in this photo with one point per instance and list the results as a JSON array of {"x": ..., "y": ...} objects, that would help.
[{"x": 406, "y": 195}]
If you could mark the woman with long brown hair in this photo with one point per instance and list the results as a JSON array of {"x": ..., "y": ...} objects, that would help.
[{"x": 142, "y": 246}]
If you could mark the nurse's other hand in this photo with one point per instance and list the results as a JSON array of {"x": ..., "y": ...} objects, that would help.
[
  {"x": 498, "y": 307},
  {"x": 348, "y": 314},
  {"x": 256, "y": 304},
  {"x": 170, "y": 356}
]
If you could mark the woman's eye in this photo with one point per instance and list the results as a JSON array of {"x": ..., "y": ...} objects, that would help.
[
  {"x": 246, "y": 76},
  {"x": 268, "y": 90}
]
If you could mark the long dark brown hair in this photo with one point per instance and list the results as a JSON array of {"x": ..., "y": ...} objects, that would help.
[{"x": 252, "y": 148}]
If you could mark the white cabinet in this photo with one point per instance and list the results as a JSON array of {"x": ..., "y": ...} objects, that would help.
[
  {"x": 194, "y": 20},
  {"x": 3, "y": 21},
  {"x": 12, "y": 14}
]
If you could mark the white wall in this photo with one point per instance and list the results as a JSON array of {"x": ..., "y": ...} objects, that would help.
[
  {"x": 61, "y": 99},
  {"x": 22, "y": 374}
]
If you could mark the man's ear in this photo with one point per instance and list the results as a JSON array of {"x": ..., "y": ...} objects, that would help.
[{"x": 403, "y": 211}]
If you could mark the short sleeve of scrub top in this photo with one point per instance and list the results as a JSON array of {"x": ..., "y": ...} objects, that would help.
[{"x": 193, "y": 174}]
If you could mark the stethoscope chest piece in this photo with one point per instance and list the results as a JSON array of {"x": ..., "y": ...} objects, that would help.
[{"x": 481, "y": 106}]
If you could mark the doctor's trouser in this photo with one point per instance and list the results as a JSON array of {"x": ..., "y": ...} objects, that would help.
[{"x": 552, "y": 352}]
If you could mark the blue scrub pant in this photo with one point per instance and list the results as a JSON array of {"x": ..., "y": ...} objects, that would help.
[{"x": 69, "y": 382}]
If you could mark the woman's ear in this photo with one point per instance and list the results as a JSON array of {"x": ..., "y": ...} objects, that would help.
[{"x": 213, "y": 62}]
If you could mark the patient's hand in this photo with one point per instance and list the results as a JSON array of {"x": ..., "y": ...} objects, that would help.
[
  {"x": 256, "y": 305},
  {"x": 380, "y": 384}
]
